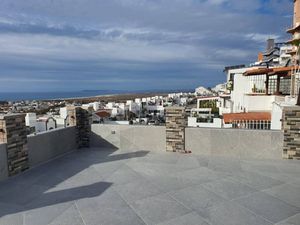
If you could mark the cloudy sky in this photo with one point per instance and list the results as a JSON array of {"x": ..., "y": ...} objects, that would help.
[{"x": 66, "y": 45}]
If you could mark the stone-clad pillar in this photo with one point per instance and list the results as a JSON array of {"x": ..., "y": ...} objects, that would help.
[
  {"x": 13, "y": 133},
  {"x": 175, "y": 128},
  {"x": 82, "y": 119},
  {"x": 291, "y": 127}
]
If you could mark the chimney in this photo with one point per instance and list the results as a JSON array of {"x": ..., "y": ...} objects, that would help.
[
  {"x": 296, "y": 12},
  {"x": 260, "y": 57},
  {"x": 270, "y": 44}
]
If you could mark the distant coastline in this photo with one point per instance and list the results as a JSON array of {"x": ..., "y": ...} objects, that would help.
[{"x": 79, "y": 95}]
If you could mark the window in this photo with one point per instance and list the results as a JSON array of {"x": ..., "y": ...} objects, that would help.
[
  {"x": 285, "y": 86},
  {"x": 252, "y": 124},
  {"x": 272, "y": 85},
  {"x": 258, "y": 83}
]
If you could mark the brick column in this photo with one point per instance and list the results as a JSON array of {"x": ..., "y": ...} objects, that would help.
[
  {"x": 175, "y": 128},
  {"x": 13, "y": 133},
  {"x": 82, "y": 119},
  {"x": 291, "y": 127}
]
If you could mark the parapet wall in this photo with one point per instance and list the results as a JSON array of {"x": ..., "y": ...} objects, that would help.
[
  {"x": 128, "y": 137},
  {"x": 48, "y": 145},
  {"x": 237, "y": 143},
  {"x": 3, "y": 162}
]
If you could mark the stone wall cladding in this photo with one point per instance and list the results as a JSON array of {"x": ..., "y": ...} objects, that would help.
[
  {"x": 13, "y": 133},
  {"x": 291, "y": 126},
  {"x": 82, "y": 119},
  {"x": 175, "y": 129}
]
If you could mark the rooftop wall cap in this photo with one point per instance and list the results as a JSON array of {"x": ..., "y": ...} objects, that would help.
[
  {"x": 3, "y": 116},
  {"x": 295, "y": 107}
]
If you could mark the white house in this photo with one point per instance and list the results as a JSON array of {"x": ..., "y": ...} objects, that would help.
[{"x": 30, "y": 120}]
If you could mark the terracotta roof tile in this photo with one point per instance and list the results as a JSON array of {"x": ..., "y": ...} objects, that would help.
[{"x": 230, "y": 117}]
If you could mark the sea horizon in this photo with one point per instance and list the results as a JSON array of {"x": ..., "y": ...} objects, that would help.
[{"x": 51, "y": 95}]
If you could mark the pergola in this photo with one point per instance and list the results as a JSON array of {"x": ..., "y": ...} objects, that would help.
[{"x": 279, "y": 72}]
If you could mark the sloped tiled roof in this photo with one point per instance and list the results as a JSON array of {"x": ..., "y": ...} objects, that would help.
[{"x": 230, "y": 117}]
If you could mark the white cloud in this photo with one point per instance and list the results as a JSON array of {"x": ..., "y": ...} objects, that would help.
[
  {"x": 188, "y": 37},
  {"x": 261, "y": 37}
]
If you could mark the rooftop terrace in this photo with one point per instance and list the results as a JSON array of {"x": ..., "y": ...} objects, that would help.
[
  {"x": 124, "y": 175},
  {"x": 111, "y": 187}
]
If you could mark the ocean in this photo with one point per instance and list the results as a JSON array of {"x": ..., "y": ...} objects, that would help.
[{"x": 18, "y": 96}]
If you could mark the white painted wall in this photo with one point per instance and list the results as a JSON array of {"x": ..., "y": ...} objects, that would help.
[
  {"x": 159, "y": 108},
  {"x": 241, "y": 86},
  {"x": 30, "y": 119},
  {"x": 276, "y": 123},
  {"x": 63, "y": 112},
  {"x": 41, "y": 126},
  {"x": 258, "y": 103}
]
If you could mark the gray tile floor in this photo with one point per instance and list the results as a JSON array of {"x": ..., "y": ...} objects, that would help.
[{"x": 98, "y": 187}]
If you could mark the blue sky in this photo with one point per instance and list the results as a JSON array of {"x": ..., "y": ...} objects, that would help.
[{"x": 67, "y": 45}]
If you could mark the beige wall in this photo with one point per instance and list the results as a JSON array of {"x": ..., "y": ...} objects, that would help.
[
  {"x": 48, "y": 145},
  {"x": 128, "y": 137},
  {"x": 244, "y": 144},
  {"x": 237, "y": 143}
]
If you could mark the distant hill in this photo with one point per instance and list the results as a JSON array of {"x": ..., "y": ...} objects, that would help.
[
  {"x": 203, "y": 91},
  {"x": 219, "y": 88}
]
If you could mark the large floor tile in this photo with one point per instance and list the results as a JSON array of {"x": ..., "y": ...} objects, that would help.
[
  {"x": 123, "y": 175},
  {"x": 268, "y": 207},
  {"x": 190, "y": 219},
  {"x": 201, "y": 175},
  {"x": 11, "y": 214},
  {"x": 159, "y": 209},
  {"x": 44, "y": 215},
  {"x": 112, "y": 216},
  {"x": 167, "y": 184},
  {"x": 188, "y": 161},
  {"x": 71, "y": 216},
  {"x": 56, "y": 196},
  {"x": 21, "y": 194},
  {"x": 229, "y": 213},
  {"x": 256, "y": 180},
  {"x": 197, "y": 198},
  {"x": 224, "y": 164},
  {"x": 228, "y": 188},
  {"x": 287, "y": 193},
  {"x": 137, "y": 190},
  {"x": 105, "y": 169},
  {"x": 108, "y": 199},
  {"x": 153, "y": 170},
  {"x": 294, "y": 220}
]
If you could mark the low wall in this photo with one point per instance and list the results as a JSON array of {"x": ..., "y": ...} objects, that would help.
[
  {"x": 129, "y": 137},
  {"x": 3, "y": 162},
  {"x": 244, "y": 144},
  {"x": 48, "y": 145}
]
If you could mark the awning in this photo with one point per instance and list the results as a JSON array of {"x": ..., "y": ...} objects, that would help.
[
  {"x": 250, "y": 116},
  {"x": 271, "y": 71},
  {"x": 293, "y": 29},
  {"x": 258, "y": 71}
]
